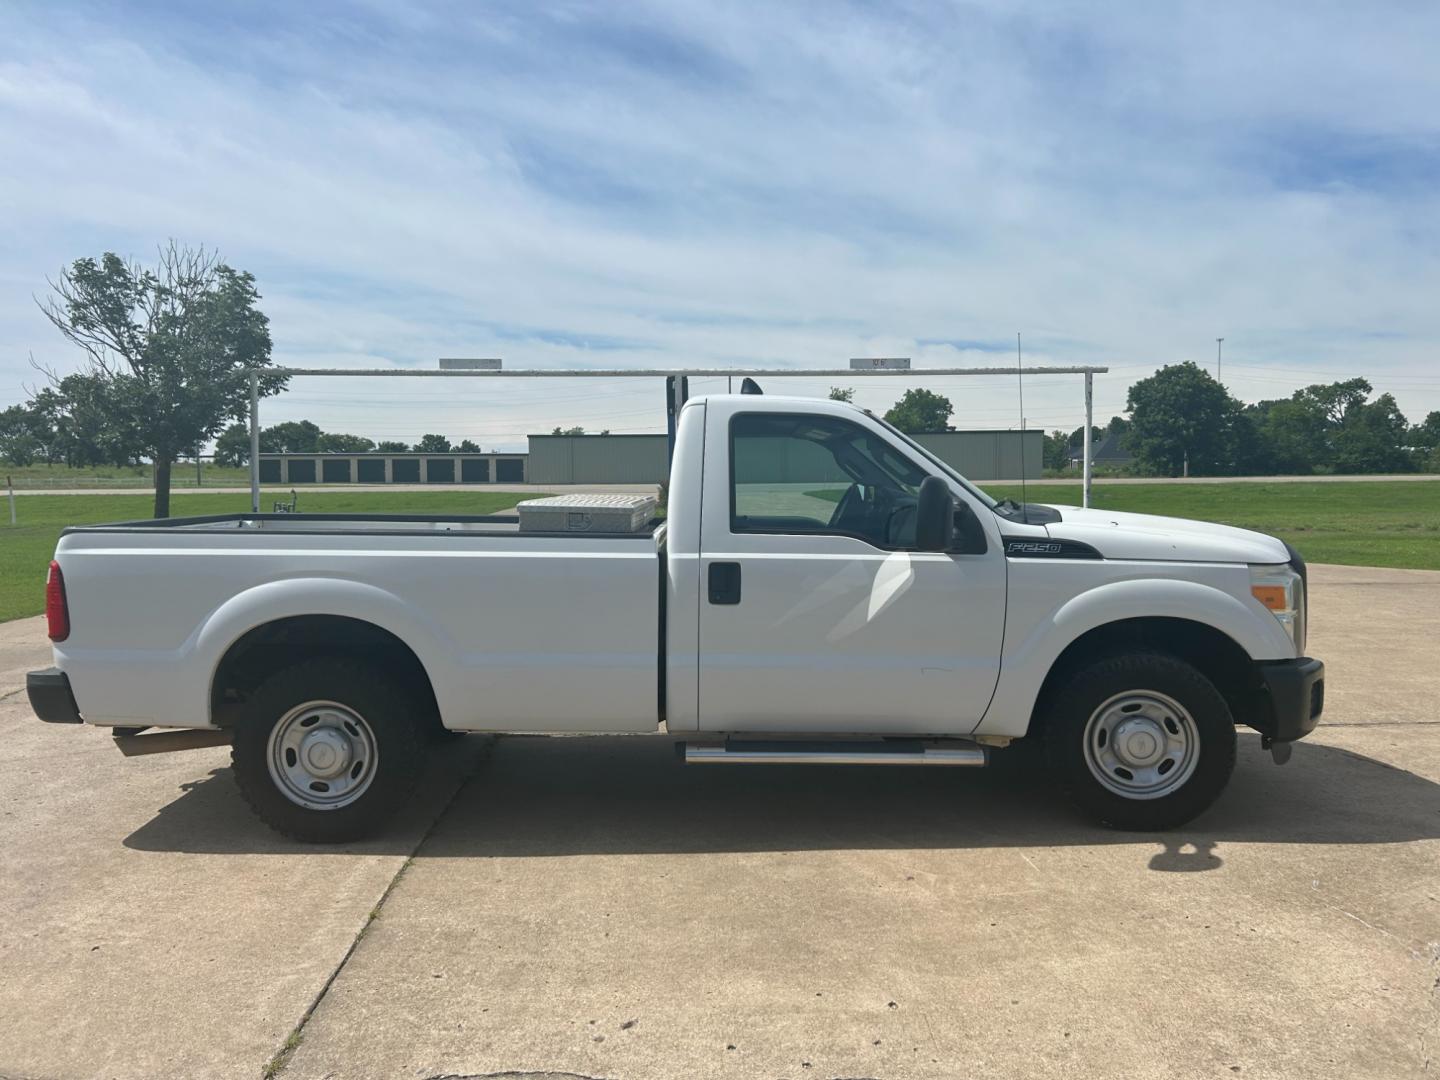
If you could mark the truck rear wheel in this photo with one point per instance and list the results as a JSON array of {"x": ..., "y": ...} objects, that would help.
[
  {"x": 327, "y": 750},
  {"x": 1140, "y": 740}
]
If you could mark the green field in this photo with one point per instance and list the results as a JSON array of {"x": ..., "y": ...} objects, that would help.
[
  {"x": 1363, "y": 524},
  {"x": 1394, "y": 523},
  {"x": 182, "y": 475},
  {"x": 25, "y": 548},
  {"x": 1357, "y": 524}
]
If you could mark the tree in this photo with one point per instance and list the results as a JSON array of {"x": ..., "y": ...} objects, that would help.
[
  {"x": 432, "y": 444},
  {"x": 568, "y": 431},
  {"x": 467, "y": 447},
  {"x": 391, "y": 446},
  {"x": 920, "y": 410},
  {"x": 1333, "y": 427},
  {"x": 846, "y": 393},
  {"x": 1426, "y": 434},
  {"x": 232, "y": 448},
  {"x": 1118, "y": 425},
  {"x": 39, "y": 431},
  {"x": 335, "y": 443},
  {"x": 18, "y": 445},
  {"x": 1291, "y": 436},
  {"x": 1371, "y": 438},
  {"x": 291, "y": 437},
  {"x": 1057, "y": 450},
  {"x": 1182, "y": 419},
  {"x": 168, "y": 355}
]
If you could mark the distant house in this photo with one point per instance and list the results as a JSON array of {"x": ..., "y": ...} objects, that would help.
[{"x": 1110, "y": 450}]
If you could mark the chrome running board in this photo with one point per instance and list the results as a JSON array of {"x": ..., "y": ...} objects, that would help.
[{"x": 836, "y": 752}]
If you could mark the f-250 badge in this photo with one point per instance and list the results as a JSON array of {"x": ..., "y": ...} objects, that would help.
[{"x": 1032, "y": 547}]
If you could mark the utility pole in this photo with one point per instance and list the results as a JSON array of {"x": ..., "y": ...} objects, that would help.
[{"x": 1218, "y": 342}]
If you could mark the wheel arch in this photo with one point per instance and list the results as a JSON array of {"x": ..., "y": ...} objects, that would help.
[
  {"x": 1213, "y": 652},
  {"x": 292, "y": 639}
]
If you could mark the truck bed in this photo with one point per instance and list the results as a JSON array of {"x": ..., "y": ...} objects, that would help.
[
  {"x": 518, "y": 631},
  {"x": 412, "y": 524}
]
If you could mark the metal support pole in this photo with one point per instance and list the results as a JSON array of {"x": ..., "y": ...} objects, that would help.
[
  {"x": 671, "y": 411},
  {"x": 1089, "y": 423},
  {"x": 677, "y": 392},
  {"x": 254, "y": 442}
]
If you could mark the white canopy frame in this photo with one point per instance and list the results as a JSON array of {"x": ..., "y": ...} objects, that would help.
[{"x": 678, "y": 393}]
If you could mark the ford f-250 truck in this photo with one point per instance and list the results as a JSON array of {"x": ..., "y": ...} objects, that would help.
[{"x": 822, "y": 590}]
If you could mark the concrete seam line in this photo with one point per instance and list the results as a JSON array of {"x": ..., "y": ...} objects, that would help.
[
  {"x": 277, "y": 1063},
  {"x": 1378, "y": 723}
]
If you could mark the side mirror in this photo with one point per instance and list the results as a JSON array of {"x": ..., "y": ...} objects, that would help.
[
  {"x": 969, "y": 536},
  {"x": 934, "y": 515}
]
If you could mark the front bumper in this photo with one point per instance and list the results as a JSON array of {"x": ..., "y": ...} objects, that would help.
[
  {"x": 1296, "y": 689},
  {"x": 51, "y": 698}
]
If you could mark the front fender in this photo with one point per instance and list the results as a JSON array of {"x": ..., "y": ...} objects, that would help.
[{"x": 1035, "y": 638}]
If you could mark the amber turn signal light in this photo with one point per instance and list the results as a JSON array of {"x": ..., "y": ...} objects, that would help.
[{"x": 1272, "y": 596}]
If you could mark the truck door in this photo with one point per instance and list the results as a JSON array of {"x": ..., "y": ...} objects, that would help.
[{"x": 815, "y": 612}]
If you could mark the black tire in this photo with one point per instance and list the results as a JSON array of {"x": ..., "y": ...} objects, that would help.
[
  {"x": 388, "y": 762},
  {"x": 1108, "y": 682}
]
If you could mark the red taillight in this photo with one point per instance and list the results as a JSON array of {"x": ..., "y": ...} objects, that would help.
[{"x": 57, "y": 609}]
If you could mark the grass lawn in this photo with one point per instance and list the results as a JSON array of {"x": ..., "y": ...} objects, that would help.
[
  {"x": 182, "y": 475},
  {"x": 1358, "y": 524},
  {"x": 1361, "y": 524},
  {"x": 26, "y": 547}
]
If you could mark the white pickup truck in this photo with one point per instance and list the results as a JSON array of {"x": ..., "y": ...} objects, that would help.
[{"x": 822, "y": 590}]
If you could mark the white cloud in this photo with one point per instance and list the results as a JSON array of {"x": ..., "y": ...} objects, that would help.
[{"x": 747, "y": 184}]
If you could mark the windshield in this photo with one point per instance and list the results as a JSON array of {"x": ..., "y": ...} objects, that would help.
[{"x": 928, "y": 456}]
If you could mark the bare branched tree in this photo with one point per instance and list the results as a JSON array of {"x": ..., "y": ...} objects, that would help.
[{"x": 168, "y": 354}]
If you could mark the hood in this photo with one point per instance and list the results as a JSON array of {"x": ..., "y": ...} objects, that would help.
[{"x": 1146, "y": 536}]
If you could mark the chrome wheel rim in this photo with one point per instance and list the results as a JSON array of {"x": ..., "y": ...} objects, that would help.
[
  {"x": 322, "y": 755},
  {"x": 1142, "y": 744}
]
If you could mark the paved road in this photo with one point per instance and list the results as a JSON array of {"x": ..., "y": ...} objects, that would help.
[{"x": 591, "y": 908}]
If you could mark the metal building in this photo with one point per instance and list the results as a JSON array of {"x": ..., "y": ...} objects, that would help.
[
  {"x": 642, "y": 459},
  {"x": 598, "y": 459},
  {"x": 989, "y": 455},
  {"x": 385, "y": 468}
]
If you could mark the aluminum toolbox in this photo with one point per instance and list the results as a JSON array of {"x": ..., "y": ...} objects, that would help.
[{"x": 587, "y": 513}]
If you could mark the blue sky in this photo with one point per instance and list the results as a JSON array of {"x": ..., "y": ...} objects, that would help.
[{"x": 708, "y": 184}]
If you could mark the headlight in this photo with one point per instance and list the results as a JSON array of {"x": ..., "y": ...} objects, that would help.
[{"x": 1282, "y": 591}]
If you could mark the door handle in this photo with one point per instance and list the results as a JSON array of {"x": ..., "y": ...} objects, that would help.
[{"x": 724, "y": 583}]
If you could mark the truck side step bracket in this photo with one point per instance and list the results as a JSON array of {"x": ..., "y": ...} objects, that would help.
[{"x": 836, "y": 752}]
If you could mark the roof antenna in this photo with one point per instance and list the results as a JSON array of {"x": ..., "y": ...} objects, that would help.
[{"x": 1020, "y": 382}]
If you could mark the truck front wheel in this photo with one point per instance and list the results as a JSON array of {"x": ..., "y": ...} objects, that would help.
[
  {"x": 1140, "y": 740},
  {"x": 327, "y": 750}
]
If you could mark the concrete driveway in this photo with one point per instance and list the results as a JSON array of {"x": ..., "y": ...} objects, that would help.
[{"x": 591, "y": 908}]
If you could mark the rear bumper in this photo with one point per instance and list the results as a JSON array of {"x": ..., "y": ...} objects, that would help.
[
  {"x": 51, "y": 698},
  {"x": 1296, "y": 689}
]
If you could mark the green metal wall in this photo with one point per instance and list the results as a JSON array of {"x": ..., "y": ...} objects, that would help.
[
  {"x": 597, "y": 459},
  {"x": 641, "y": 459},
  {"x": 988, "y": 455}
]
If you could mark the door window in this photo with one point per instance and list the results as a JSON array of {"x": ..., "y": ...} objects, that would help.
[{"x": 801, "y": 473}]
